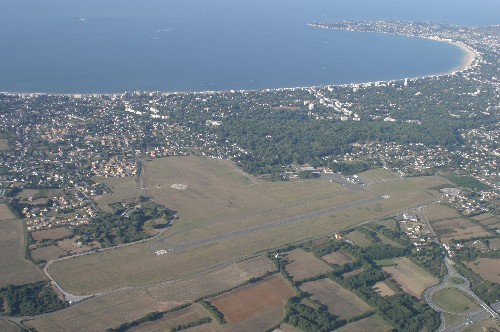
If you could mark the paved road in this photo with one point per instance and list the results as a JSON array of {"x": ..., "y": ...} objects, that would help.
[{"x": 473, "y": 318}]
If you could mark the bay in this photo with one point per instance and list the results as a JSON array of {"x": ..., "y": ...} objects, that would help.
[{"x": 104, "y": 46}]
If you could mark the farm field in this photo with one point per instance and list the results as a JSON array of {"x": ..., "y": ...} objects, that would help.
[
  {"x": 465, "y": 233},
  {"x": 102, "y": 312},
  {"x": 127, "y": 305},
  {"x": 353, "y": 272},
  {"x": 390, "y": 223},
  {"x": 5, "y": 213},
  {"x": 6, "y": 326},
  {"x": 412, "y": 278},
  {"x": 487, "y": 268},
  {"x": 452, "y": 300},
  {"x": 183, "y": 316},
  {"x": 372, "y": 324},
  {"x": 254, "y": 300},
  {"x": 495, "y": 243},
  {"x": 4, "y": 144},
  {"x": 340, "y": 301},
  {"x": 440, "y": 212},
  {"x": 339, "y": 258},
  {"x": 14, "y": 269},
  {"x": 383, "y": 289},
  {"x": 235, "y": 202},
  {"x": 304, "y": 265},
  {"x": 51, "y": 234}
]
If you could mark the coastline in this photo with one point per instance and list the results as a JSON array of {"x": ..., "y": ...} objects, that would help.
[{"x": 468, "y": 60}]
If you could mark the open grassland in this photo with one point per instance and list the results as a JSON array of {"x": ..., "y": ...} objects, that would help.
[
  {"x": 219, "y": 199},
  {"x": 359, "y": 239},
  {"x": 25, "y": 193},
  {"x": 339, "y": 258},
  {"x": 4, "y": 144},
  {"x": 117, "y": 307},
  {"x": 454, "y": 301},
  {"x": 254, "y": 300},
  {"x": 390, "y": 223},
  {"x": 51, "y": 234},
  {"x": 465, "y": 234},
  {"x": 304, "y": 265},
  {"x": 5, "y": 213},
  {"x": 340, "y": 301},
  {"x": 183, "y": 316},
  {"x": 369, "y": 324},
  {"x": 440, "y": 212},
  {"x": 14, "y": 269},
  {"x": 380, "y": 175},
  {"x": 487, "y": 268},
  {"x": 6, "y": 326},
  {"x": 383, "y": 289},
  {"x": 123, "y": 189},
  {"x": 103, "y": 312},
  {"x": 412, "y": 278},
  {"x": 47, "y": 253}
]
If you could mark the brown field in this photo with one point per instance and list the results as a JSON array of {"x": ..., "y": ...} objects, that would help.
[
  {"x": 253, "y": 300},
  {"x": 102, "y": 312},
  {"x": 353, "y": 272},
  {"x": 14, "y": 269},
  {"x": 369, "y": 324},
  {"x": 359, "y": 239},
  {"x": 487, "y": 268},
  {"x": 183, "y": 316},
  {"x": 340, "y": 301},
  {"x": 212, "y": 282},
  {"x": 339, "y": 258},
  {"x": 412, "y": 278},
  {"x": 123, "y": 189},
  {"x": 47, "y": 253},
  {"x": 51, "y": 234},
  {"x": 6, "y": 326},
  {"x": 304, "y": 265},
  {"x": 382, "y": 289},
  {"x": 220, "y": 199},
  {"x": 5, "y": 213}
]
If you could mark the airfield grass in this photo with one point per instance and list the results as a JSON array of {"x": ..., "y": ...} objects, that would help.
[
  {"x": 372, "y": 324},
  {"x": 14, "y": 269},
  {"x": 220, "y": 199},
  {"x": 412, "y": 278},
  {"x": 452, "y": 300}
]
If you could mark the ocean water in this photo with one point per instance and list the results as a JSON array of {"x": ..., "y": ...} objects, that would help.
[{"x": 102, "y": 46}]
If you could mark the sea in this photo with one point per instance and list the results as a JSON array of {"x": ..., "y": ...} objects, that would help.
[{"x": 108, "y": 46}]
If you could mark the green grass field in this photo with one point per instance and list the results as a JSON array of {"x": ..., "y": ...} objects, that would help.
[{"x": 452, "y": 300}]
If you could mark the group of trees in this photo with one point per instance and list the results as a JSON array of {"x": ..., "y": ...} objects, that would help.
[{"x": 30, "y": 299}]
